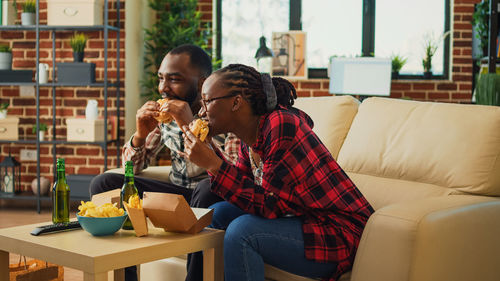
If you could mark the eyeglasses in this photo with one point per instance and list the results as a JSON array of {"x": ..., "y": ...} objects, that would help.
[{"x": 205, "y": 102}]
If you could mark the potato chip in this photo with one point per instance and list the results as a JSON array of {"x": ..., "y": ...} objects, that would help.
[{"x": 89, "y": 209}]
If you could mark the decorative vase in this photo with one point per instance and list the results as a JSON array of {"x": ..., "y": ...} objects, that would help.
[
  {"x": 427, "y": 74},
  {"x": 395, "y": 75},
  {"x": 28, "y": 18},
  {"x": 43, "y": 73},
  {"x": 91, "y": 111},
  {"x": 41, "y": 135},
  {"x": 44, "y": 186},
  {"x": 78, "y": 56},
  {"x": 5, "y": 61},
  {"x": 3, "y": 113}
]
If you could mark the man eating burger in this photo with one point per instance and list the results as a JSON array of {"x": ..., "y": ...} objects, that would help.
[{"x": 181, "y": 75}]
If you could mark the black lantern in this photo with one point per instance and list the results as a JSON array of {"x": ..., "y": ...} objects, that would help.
[{"x": 10, "y": 175}]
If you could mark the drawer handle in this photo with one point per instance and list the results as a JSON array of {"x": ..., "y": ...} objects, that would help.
[
  {"x": 3, "y": 130},
  {"x": 80, "y": 131},
  {"x": 70, "y": 11}
]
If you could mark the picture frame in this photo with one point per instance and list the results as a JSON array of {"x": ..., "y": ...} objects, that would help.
[{"x": 289, "y": 59}]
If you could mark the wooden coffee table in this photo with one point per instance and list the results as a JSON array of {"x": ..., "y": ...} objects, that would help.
[{"x": 95, "y": 256}]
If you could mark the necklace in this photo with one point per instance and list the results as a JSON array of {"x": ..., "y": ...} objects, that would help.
[{"x": 256, "y": 168}]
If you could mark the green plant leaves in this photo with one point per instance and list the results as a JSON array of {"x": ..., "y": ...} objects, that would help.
[
  {"x": 78, "y": 42},
  {"x": 488, "y": 89},
  {"x": 178, "y": 22}
]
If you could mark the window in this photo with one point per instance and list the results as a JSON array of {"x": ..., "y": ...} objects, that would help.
[
  {"x": 244, "y": 22},
  {"x": 333, "y": 29},
  {"x": 338, "y": 28},
  {"x": 403, "y": 32}
]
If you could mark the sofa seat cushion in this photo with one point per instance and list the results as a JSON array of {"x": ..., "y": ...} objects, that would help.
[
  {"x": 451, "y": 146},
  {"x": 152, "y": 172},
  {"x": 332, "y": 118}
]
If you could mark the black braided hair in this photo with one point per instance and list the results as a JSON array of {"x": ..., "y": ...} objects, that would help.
[{"x": 247, "y": 81}]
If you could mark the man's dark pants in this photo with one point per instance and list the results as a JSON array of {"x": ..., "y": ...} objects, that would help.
[{"x": 200, "y": 197}]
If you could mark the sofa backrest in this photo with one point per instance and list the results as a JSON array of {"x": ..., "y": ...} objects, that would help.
[
  {"x": 332, "y": 118},
  {"x": 401, "y": 150}
]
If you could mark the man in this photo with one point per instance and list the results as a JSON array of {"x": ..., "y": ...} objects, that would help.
[{"x": 181, "y": 75}]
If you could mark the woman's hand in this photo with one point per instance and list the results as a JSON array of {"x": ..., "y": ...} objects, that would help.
[{"x": 200, "y": 153}]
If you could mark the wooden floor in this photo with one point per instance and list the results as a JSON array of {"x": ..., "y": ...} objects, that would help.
[{"x": 12, "y": 214}]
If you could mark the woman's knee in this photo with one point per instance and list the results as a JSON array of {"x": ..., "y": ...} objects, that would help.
[
  {"x": 241, "y": 229},
  {"x": 224, "y": 214}
]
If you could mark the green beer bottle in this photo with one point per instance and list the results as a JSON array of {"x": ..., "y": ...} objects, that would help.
[
  {"x": 60, "y": 195},
  {"x": 128, "y": 190}
]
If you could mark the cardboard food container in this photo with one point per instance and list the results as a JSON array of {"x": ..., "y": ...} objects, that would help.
[
  {"x": 138, "y": 219},
  {"x": 172, "y": 213},
  {"x": 112, "y": 196}
]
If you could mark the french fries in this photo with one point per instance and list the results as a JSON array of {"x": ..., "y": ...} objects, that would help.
[
  {"x": 134, "y": 202},
  {"x": 89, "y": 209}
]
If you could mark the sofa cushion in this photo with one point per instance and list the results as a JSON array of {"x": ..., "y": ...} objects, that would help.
[
  {"x": 332, "y": 118},
  {"x": 437, "y": 145},
  {"x": 159, "y": 173}
]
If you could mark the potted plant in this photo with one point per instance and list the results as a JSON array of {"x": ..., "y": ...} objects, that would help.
[
  {"x": 397, "y": 63},
  {"x": 3, "y": 109},
  {"x": 5, "y": 57},
  {"x": 431, "y": 45},
  {"x": 77, "y": 43},
  {"x": 41, "y": 133},
  {"x": 28, "y": 15}
]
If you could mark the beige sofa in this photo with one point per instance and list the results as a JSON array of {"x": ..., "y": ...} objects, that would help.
[{"x": 432, "y": 173}]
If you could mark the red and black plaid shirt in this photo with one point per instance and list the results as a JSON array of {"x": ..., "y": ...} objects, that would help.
[{"x": 300, "y": 178}]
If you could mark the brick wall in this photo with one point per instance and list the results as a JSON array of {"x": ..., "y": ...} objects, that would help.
[{"x": 70, "y": 102}]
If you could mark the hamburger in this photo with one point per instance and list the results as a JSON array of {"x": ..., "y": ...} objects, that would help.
[
  {"x": 163, "y": 117},
  {"x": 199, "y": 128}
]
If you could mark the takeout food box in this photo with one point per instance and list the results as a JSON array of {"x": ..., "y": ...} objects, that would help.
[
  {"x": 138, "y": 219},
  {"x": 170, "y": 212},
  {"x": 112, "y": 196}
]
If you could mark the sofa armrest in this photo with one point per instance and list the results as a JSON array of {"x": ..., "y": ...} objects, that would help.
[
  {"x": 159, "y": 173},
  {"x": 450, "y": 238}
]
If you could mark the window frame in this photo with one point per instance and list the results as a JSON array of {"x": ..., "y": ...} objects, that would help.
[{"x": 367, "y": 41}]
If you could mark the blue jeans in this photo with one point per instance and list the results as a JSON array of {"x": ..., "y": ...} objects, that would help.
[{"x": 250, "y": 241}]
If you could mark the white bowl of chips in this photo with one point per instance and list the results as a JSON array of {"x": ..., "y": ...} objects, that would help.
[{"x": 101, "y": 220}]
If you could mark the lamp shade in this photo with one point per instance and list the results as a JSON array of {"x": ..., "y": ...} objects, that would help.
[{"x": 263, "y": 50}]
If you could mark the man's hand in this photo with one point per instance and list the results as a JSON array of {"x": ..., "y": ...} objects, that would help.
[
  {"x": 145, "y": 122},
  {"x": 180, "y": 110}
]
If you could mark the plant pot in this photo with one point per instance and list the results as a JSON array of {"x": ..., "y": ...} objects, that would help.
[
  {"x": 78, "y": 56},
  {"x": 427, "y": 74},
  {"x": 5, "y": 61},
  {"x": 3, "y": 113},
  {"x": 41, "y": 135},
  {"x": 28, "y": 18},
  {"x": 394, "y": 75}
]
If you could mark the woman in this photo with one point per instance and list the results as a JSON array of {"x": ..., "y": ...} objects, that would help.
[{"x": 287, "y": 202}]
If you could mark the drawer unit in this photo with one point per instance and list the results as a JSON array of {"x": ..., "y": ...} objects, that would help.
[
  {"x": 81, "y": 129},
  {"x": 75, "y": 12},
  {"x": 9, "y": 128}
]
